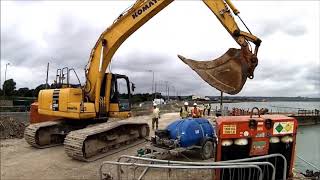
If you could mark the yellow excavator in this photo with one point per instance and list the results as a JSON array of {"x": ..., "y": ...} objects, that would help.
[{"x": 83, "y": 111}]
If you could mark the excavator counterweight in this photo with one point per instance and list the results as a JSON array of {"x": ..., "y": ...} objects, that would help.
[{"x": 227, "y": 73}]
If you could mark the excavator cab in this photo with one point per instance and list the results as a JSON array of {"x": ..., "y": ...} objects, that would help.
[
  {"x": 66, "y": 99},
  {"x": 118, "y": 94},
  {"x": 227, "y": 73}
]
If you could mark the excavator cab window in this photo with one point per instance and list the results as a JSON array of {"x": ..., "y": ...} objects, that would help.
[
  {"x": 113, "y": 94},
  {"x": 121, "y": 94}
]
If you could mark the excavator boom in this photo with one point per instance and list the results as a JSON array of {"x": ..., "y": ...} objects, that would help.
[
  {"x": 82, "y": 113},
  {"x": 239, "y": 64}
]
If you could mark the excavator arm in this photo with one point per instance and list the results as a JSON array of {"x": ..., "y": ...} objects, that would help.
[
  {"x": 240, "y": 62},
  {"x": 100, "y": 98}
]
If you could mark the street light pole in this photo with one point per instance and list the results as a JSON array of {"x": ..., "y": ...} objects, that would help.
[
  {"x": 153, "y": 85},
  {"x": 221, "y": 101},
  {"x": 173, "y": 90},
  {"x": 168, "y": 93},
  {"x": 167, "y": 89},
  {"x": 5, "y": 78},
  {"x": 47, "y": 76},
  {"x": 155, "y": 89},
  {"x": 152, "y": 82}
]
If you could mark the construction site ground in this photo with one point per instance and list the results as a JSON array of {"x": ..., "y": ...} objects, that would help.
[{"x": 20, "y": 161}]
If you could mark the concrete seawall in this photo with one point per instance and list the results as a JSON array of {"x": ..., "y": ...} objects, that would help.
[{"x": 307, "y": 120}]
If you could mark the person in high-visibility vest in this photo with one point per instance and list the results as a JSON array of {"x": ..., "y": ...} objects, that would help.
[
  {"x": 184, "y": 112},
  {"x": 195, "y": 112}
]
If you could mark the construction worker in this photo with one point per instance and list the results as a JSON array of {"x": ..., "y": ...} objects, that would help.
[
  {"x": 155, "y": 116},
  {"x": 184, "y": 113},
  {"x": 204, "y": 109},
  {"x": 209, "y": 109},
  {"x": 195, "y": 112}
]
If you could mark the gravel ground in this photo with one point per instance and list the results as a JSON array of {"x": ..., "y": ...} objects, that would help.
[{"x": 20, "y": 161}]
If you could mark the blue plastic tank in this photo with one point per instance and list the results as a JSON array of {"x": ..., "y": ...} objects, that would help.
[{"x": 190, "y": 131}]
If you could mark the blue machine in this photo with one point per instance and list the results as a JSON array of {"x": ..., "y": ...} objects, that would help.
[
  {"x": 187, "y": 134},
  {"x": 190, "y": 131}
]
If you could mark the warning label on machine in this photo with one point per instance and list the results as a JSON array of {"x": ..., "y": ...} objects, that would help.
[
  {"x": 230, "y": 129},
  {"x": 283, "y": 127}
]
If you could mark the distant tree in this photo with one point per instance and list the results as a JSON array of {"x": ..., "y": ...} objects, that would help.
[
  {"x": 30, "y": 93},
  {"x": 22, "y": 92},
  {"x": 9, "y": 86},
  {"x": 37, "y": 90},
  {"x": 136, "y": 98}
]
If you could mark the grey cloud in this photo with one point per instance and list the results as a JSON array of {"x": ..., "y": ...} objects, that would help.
[
  {"x": 167, "y": 68},
  {"x": 295, "y": 30},
  {"x": 141, "y": 61},
  {"x": 287, "y": 80},
  {"x": 312, "y": 73},
  {"x": 15, "y": 48},
  {"x": 71, "y": 44},
  {"x": 280, "y": 73},
  {"x": 290, "y": 73},
  {"x": 290, "y": 26}
]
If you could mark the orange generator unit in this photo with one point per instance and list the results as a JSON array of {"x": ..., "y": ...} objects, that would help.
[{"x": 251, "y": 136}]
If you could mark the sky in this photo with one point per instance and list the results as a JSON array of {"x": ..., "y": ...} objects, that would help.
[{"x": 63, "y": 33}]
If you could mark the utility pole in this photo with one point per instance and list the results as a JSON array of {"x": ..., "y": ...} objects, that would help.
[
  {"x": 221, "y": 101},
  {"x": 47, "y": 76},
  {"x": 152, "y": 83},
  {"x": 166, "y": 83},
  {"x": 5, "y": 78},
  {"x": 155, "y": 88},
  {"x": 173, "y": 90},
  {"x": 167, "y": 90}
]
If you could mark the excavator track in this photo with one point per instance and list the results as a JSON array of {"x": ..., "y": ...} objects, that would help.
[
  {"x": 31, "y": 134},
  {"x": 104, "y": 139}
]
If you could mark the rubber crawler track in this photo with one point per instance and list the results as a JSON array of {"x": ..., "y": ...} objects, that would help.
[
  {"x": 30, "y": 133},
  {"x": 74, "y": 142}
]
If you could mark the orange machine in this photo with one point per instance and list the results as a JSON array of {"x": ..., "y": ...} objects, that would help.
[
  {"x": 248, "y": 136},
  {"x": 35, "y": 117}
]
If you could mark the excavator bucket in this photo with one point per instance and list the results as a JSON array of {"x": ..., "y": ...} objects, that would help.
[{"x": 227, "y": 73}]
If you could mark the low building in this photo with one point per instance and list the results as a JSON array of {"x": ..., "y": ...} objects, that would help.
[{"x": 200, "y": 98}]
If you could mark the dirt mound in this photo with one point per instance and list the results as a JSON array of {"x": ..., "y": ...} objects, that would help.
[{"x": 10, "y": 128}]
